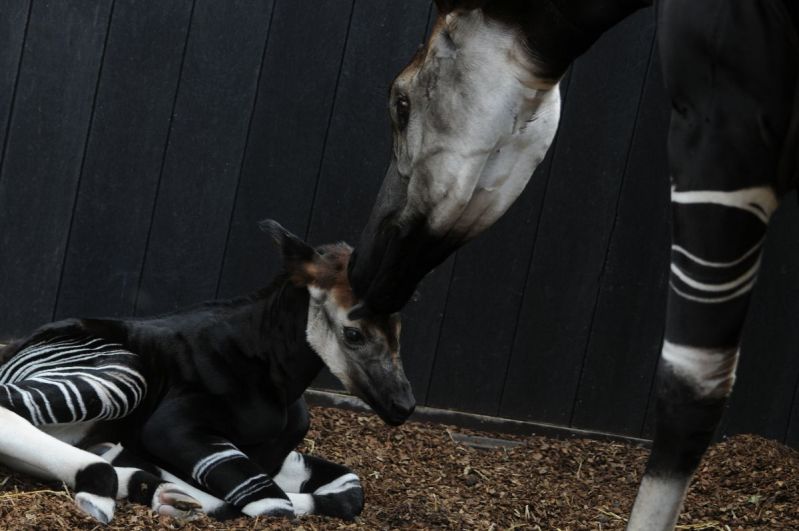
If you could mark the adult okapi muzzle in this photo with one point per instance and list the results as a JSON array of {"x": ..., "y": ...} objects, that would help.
[
  {"x": 363, "y": 353},
  {"x": 472, "y": 115}
]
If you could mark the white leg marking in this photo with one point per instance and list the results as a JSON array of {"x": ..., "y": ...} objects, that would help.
[
  {"x": 658, "y": 504},
  {"x": 267, "y": 506},
  {"x": 100, "y": 508},
  {"x": 724, "y": 286},
  {"x": 209, "y": 502},
  {"x": 709, "y": 263},
  {"x": 710, "y": 371},
  {"x": 207, "y": 464},
  {"x": 293, "y": 474},
  {"x": 303, "y": 503},
  {"x": 340, "y": 484},
  {"x": 23, "y": 445},
  {"x": 760, "y": 200},
  {"x": 123, "y": 477}
]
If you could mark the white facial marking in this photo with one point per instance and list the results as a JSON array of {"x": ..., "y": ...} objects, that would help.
[
  {"x": 481, "y": 121},
  {"x": 710, "y": 372},
  {"x": 322, "y": 335}
]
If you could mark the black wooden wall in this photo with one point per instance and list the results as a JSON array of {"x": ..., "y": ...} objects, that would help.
[{"x": 142, "y": 140}]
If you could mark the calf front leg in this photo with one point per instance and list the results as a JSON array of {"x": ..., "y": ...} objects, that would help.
[
  {"x": 143, "y": 483},
  {"x": 317, "y": 486},
  {"x": 189, "y": 446}
]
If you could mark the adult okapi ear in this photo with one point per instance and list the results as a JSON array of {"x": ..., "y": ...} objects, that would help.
[{"x": 299, "y": 258}]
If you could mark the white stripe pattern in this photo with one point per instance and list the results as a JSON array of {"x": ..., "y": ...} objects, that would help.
[
  {"x": 205, "y": 465},
  {"x": 72, "y": 379},
  {"x": 247, "y": 488},
  {"x": 760, "y": 201}
]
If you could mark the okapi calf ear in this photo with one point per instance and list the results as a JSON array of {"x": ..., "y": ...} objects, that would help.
[{"x": 299, "y": 258}]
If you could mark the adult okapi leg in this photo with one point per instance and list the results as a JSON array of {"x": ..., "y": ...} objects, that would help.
[
  {"x": 181, "y": 434},
  {"x": 731, "y": 70}
]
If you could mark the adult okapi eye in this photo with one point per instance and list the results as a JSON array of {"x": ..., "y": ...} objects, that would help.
[
  {"x": 402, "y": 109},
  {"x": 353, "y": 336}
]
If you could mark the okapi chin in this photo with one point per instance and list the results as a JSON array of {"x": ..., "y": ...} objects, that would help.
[{"x": 201, "y": 410}]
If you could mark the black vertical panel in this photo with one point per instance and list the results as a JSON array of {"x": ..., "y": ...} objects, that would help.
[
  {"x": 769, "y": 365},
  {"x": 123, "y": 160},
  {"x": 13, "y": 22},
  {"x": 45, "y": 146},
  {"x": 629, "y": 318},
  {"x": 483, "y": 304},
  {"x": 792, "y": 433},
  {"x": 383, "y": 37},
  {"x": 575, "y": 227},
  {"x": 203, "y": 159},
  {"x": 289, "y": 124}
]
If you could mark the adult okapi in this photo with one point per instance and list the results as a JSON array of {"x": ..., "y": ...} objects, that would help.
[{"x": 475, "y": 111}]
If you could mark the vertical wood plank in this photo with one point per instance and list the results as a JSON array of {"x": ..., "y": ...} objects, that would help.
[
  {"x": 383, "y": 37},
  {"x": 483, "y": 305},
  {"x": 626, "y": 336},
  {"x": 768, "y": 369},
  {"x": 562, "y": 285},
  {"x": 13, "y": 24},
  {"x": 295, "y": 99},
  {"x": 792, "y": 434},
  {"x": 44, "y": 151},
  {"x": 203, "y": 159},
  {"x": 126, "y": 145}
]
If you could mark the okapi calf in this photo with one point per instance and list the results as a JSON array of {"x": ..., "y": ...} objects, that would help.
[{"x": 202, "y": 409}]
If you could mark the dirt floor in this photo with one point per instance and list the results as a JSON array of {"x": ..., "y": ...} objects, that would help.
[{"x": 419, "y": 477}]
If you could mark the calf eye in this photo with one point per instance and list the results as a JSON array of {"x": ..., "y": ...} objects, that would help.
[{"x": 353, "y": 336}]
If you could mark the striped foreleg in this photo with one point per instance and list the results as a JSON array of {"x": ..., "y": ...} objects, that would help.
[
  {"x": 143, "y": 483},
  {"x": 317, "y": 486},
  {"x": 716, "y": 252},
  {"x": 178, "y": 439},
  {"x": 26, "y": 448}
]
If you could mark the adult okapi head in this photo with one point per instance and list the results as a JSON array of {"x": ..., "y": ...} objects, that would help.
[
  {"x": 363, "y": 353},
  {"x": 473, "y": 115}
]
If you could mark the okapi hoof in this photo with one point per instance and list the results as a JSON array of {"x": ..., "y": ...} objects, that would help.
[
  {"x": 100, "y": 508},
  {"x": 275, "y": 507},
  {"x": 96, "y": 488},
  {"x": 169, "y": 500}
]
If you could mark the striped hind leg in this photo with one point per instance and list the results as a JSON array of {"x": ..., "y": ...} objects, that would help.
[
  {"x": 28, "y": 449},
  {"x": 53, "y": 389},
  {"x": 317, "y": 486}
]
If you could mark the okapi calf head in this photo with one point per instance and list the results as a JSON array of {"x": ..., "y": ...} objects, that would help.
[{"x": 362, "y": 353}]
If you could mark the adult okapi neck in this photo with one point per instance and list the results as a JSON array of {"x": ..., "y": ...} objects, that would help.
[{"x": 559, "y": 31}]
